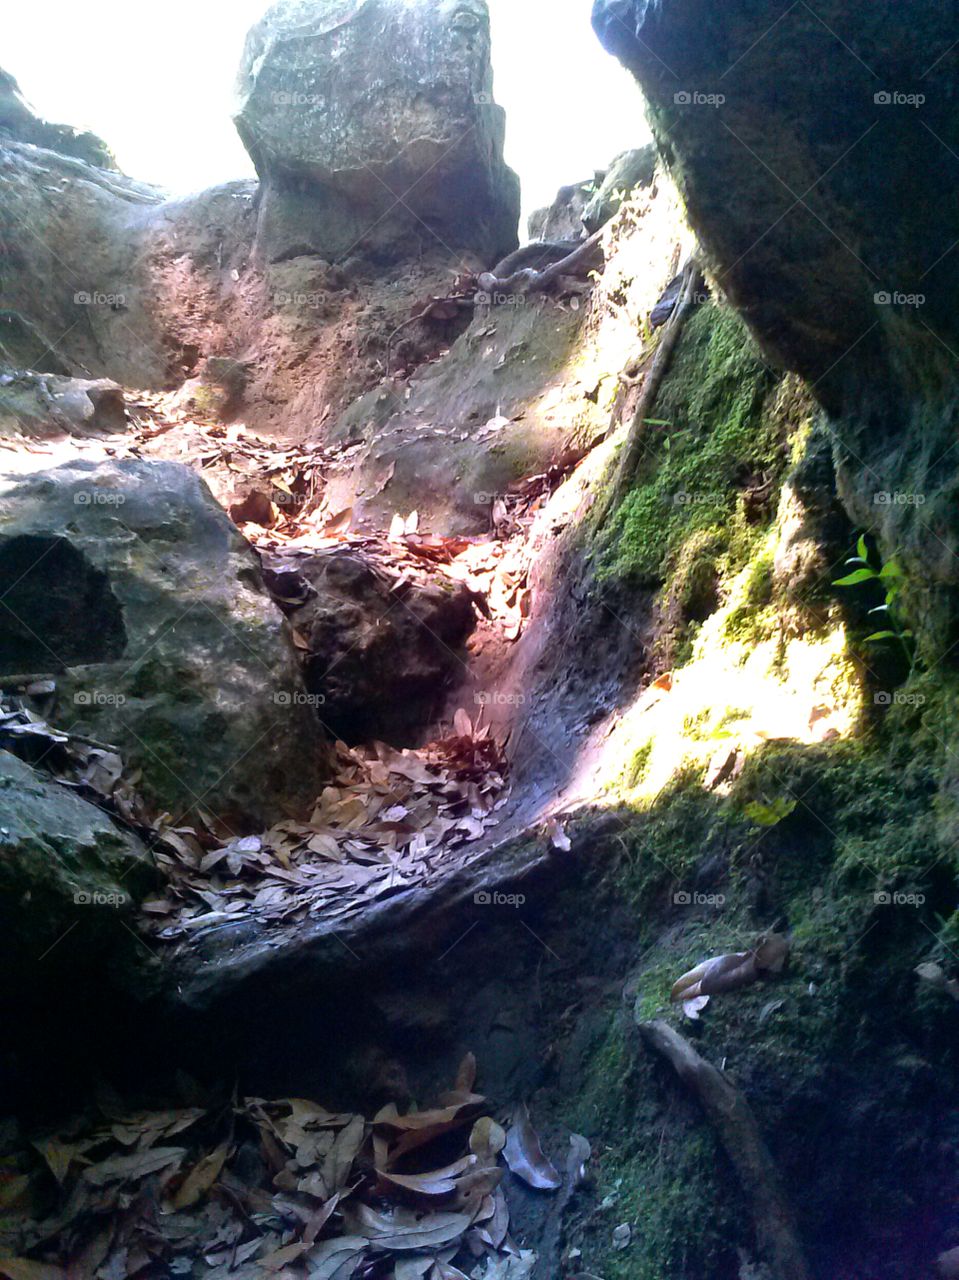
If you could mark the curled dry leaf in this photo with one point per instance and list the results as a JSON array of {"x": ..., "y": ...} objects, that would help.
[
  {"x": 487, "y": 1139},
  {"x": 524, "y": 1154},
  {"x": 732, "y": 972}
]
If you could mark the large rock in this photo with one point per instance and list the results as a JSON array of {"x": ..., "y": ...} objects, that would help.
[
  {"x": 372, "y": 125},
  {"x": 797, "y": 140},
  {"x": 19, "y": 122},
  {"x": 37, "y": 404},
  {"x": 130, "y": 582},
  {"x": 382, "y": 655}
]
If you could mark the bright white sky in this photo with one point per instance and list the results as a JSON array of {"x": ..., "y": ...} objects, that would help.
[{"x": 155, "y": 81}]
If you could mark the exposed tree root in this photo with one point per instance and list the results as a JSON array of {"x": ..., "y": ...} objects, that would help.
[
  {"x": 509, "y": 277},
  {"x": 726, "y": 1108}
]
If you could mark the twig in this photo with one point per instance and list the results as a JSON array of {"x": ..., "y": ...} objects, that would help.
[{"x": 726, "y": 1108}]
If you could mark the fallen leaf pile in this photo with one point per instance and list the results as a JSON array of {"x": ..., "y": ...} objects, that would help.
[
  {"x": 384, "y": 824},
  {"x": 262, "y": 1188},
  {"x": 93, "y": 769},
  {"x": 729, "y": 973}
]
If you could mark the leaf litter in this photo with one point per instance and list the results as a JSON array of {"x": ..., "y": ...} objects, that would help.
[{"x": 258, "y": 1188}]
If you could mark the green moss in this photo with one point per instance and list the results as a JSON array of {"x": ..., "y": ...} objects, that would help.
[
  {"x": 667, "y": 1179},
  {"x": 718, "y": 399}
]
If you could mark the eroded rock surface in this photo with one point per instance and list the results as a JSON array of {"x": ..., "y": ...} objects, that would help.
[
  {"x": 129, "y": 581},
  {"x": 380, "y": 660},
  {"x": 796, "y": 140},
  {"x": 373, "y": 122},
  {"x": 69, "y": 880}
]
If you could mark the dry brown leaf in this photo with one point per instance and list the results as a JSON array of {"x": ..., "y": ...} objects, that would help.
[{"x": 199, "y": 1180}]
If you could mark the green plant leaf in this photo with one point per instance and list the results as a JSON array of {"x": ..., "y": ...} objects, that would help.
[
  {"x": 858, "y": 575},
  {"x": 891, "y": 569},
  {"x": 880, "y": 635},
  {"x": 861, "y": 549},
  {"x": 768, "y": 815}
]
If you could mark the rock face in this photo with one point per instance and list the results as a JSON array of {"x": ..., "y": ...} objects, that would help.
[
  {"x": 17, "y": 121},
  {"x": 371, "y": 121},
  {"x": 68, "y": 882},
  {"x": 380, "y": 662},
  {"x": 802, "y": 188},
  {"x": 630, "y": 169},
  {"x": 128, "y": 580},
  {"x": 37, "y": 404}
]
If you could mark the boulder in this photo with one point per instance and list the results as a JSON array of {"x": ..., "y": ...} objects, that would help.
[
  {"x": 630, "y": 169},
  {"x": 802, "y": 189},
  {"x": 378, "y": 660},
  {"x": 17, "y": 121},
  {"x": 372, "y": 126},
  {"x": 563, "y": 219},
  {"x": 130, "y": 584},
  {"x": 69, "y": 879},
  {"x": 37, "y": 404}
]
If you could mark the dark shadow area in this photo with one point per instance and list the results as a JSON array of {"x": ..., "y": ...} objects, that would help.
[{"x": 57, "y": 608}]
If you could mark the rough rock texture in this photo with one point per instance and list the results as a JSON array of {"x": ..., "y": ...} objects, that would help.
[
  {"x": 36, "y": 404},
  {"x": 380, "y": 662},
  {"x": 132, "y": 583},
  {"x": 630, "y": 169},
  {"x": 531, "y": 379},
  {"x": 802, "y": 189},
  {"x": 65, "y": 869},
  {"x": 371, "y": 122},
  {"x": 18, "y": 122},
  {"x": 563, "y": 219}
]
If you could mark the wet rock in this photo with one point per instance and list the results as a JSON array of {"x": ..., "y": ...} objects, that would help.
[
  {"x": 379, "y": 661},
  {"x": 630, "y": 169},
  {"x": 133, "y": 585},
  {"x": 373, "y": 126}
]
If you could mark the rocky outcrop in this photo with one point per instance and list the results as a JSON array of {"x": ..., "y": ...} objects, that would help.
[
  {"x": 69, "y": 881},
  {"x": 129, "y": 582},
  {"x": 37, "y": 404},
  {"x": 802, "y": 189},
  {"x": 372, "y": 126},
  {"x": 379, "y": 658},
  {"x": 18, "y": 122},
  {"x": 630, "y": 169}
]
